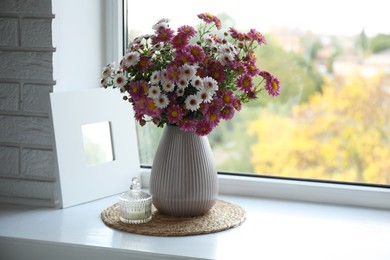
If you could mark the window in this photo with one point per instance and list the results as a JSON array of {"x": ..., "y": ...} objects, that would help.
[{"x": 332, "y": 120}]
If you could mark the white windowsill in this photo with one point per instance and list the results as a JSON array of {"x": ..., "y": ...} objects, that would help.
[{"x": 274, "y": 229}]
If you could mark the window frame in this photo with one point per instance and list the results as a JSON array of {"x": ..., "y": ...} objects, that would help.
[{"x": 314, "y": 191}]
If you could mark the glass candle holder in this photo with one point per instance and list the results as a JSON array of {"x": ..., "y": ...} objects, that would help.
[{"x": 135, "y": 205}]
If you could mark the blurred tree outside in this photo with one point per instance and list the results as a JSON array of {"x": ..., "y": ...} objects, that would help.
[{"x": 342, "y": 134}]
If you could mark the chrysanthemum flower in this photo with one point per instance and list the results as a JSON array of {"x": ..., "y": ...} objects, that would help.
[
  {"x": 244, "y": 82},
  {"x": 187, "y": 125},
  {"x": 182, "y": 83},
  {"x": 204, "y": 96},
  {"x": 155, "y": 77},
  {"x": 273, "y": 87},
  {"x": 209, "y": 18},
  {"x": 107, "y": 71},
  {"x": 210, "y": 84},
  {"x": 164, "y": 35},
  {"x": 161, "y": 24},
  {"x": 174, "y": 114},
  {"x": 168, "y": 86},
  {"x": 179, "y": 41},
  {"x": 130, "y": 59},
  {"x": 161, "y": 101},
  {"x": 227, "y": 97},
  {"x": 196, "y": 51},
  {"x": 226, "y": 58},
  {"x": 237, "y": 103},
  {"x": 203, "y": 128},
  {"x": 213, "y": 117},
  {"x": 173, "y": 73},
  {"x": 227, "y": 112},
  {"x": 183, "y": 56},
  {"x": 252, "y": 69},
  {"x": 272, "y": 83},
  {"x": 257, "y": 36},
  {"x": 180, "y": 92},
  {"x": 144, "y": 63},
  {"x": 187, "y": 30},
  {"x": 187, "y": 71},
  {"x": 120, "y": 80},
  {"x": 154, "y": 92},
  {"x": 192, "y": 102},
  {"x": 197, "y": 82},
  {"x": 235, "y": 34}
]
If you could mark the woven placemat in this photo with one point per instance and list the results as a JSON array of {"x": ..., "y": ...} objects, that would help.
[{"x": 223, "y": 215}]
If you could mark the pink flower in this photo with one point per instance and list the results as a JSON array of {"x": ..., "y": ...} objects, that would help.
[
  {"x": 174, "y": 114},
  {"x": 196, "y": 51},
  {"x": 183, "y": 57},
  {"x": 244, "y": 82},
  {"x": 257, "y": 36},
  {"x": 209, "y": 18},
  {"x": 203, "y": 128},
  {"x": 144, "y": 63},
  {"x": 272, "y": 83},
  {"x": 237, "y": 103},
  {"x": 173, "y": 73},
  {"x": 213, "y": 117},
  {"x": 164, "y": 35},
  {"x": 227, "y": 112},
  {"x": 187, "y": 125},
  {"x": 187, "y": 30},
  {"x": 179, "y": 41}
]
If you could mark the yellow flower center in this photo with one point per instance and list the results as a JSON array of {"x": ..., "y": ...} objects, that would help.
[
  {"x": 226, "y": 98},
  {"x": 274, "y": 85},
  {"x": 246, "y": 82},
  {"x": 174, "y": 114},
  {"x": 151, "y": 105},
  {"x": 213, "y": 117}
]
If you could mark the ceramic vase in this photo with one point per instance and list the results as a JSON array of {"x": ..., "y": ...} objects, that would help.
[{"x": 183, "y": 179}]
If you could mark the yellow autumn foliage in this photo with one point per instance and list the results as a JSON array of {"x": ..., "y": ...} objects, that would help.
[{"x": 341, "y": 134}]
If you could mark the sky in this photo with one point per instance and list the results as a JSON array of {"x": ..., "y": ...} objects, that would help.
[{"x": 321, "y": 17}]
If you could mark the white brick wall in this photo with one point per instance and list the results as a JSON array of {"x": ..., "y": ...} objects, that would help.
[{"x": 27, "y": 159}]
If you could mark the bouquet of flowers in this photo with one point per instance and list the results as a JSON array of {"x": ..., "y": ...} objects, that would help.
[{"x": 190, "y": 78}]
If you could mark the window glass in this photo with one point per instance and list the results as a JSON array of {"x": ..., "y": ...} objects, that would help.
[{"x": 332, "y": 118}]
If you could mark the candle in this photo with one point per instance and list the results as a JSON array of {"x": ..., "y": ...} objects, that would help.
[{"x": 135, "y": 205}]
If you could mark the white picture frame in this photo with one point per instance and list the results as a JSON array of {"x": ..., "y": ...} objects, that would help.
[{"x": 80, "y": 183}]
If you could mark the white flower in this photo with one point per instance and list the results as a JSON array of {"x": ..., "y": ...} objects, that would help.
[
  {"x": 192, "y": 102},
  {"x": 120, "y": 80},
  {"x": 130, "y": 59},
  {"x": 104, "y": 82},
  {"x": 228, "y": 48},
  {"x": 107, "y": 70},
  {"x": 138, "y": 40},
  {"x": 154, "y": 92},
  {"x": 161, "y": 24},
  {"x": 208, "y": 39},
  {"x": 210, "y": 85},
  {"x": 163, "y": 75},
  {"x": 187, "y": 71},
  {"x": 204, "y": 96},
  {"x": 155, "y": 77},
  {"x": 197, "y": 82},
  {"x": 182, "y": 83},
  {"x": 168, "y": 86},
  {"x": 161, "y": 101},
  {"x": 180, "y": 92},
  {"x": 226, "y": 58}
]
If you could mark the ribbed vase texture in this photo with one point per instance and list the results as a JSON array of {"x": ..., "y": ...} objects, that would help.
[{"x": 184, "y": 178}]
